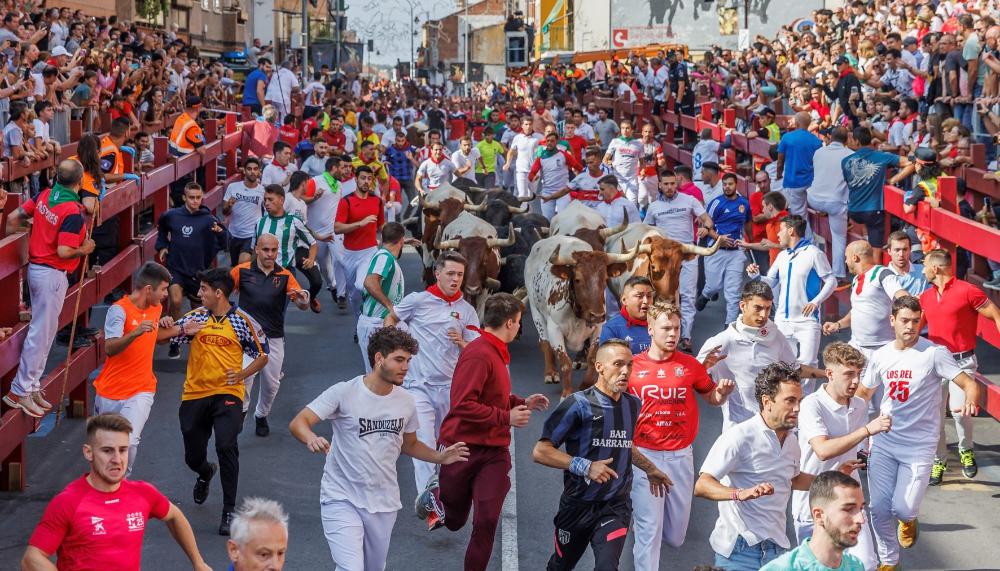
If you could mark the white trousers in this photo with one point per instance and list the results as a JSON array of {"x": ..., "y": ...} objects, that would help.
[
  {"x": 353, "y": 259},
  {"x": 724, "y": 273},
  {"x": 48, "y": 291},
  {"x": 666, "y": 518},
  {"x": 331, "y": 264},
  {"x": 358, "y": 539},
  {"x": 687, "y": 287},
  {"x": 392, "y": 211},
  {"x": 522, "y": 186},
  {"x": 631, "y": 187},
  {"x": 366, "y": 326},
  {"x": 896, "y": 488},
  {"x": 805, "y": 335},
  {"x": 553, "y": 207},
  {"x": 796, "y": 200},
  {"x": 837, "y": 214},
  {"x": 648, "y": 190},
  {"x": 954, "y": 398},
  {"x": 270, "y": 377},
  {"x": 864, "y": 550},
  {"x": 876, "y": 399},
  {"x": 136, "y": 410},
  {"x": 432, "y": 402}
]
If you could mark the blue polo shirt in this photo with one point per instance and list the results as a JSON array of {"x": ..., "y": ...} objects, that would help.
[
  {"x": 864, "y": 172},
  {"x": 729, "y": 215},
  {"x": 250, "y": 87},
  {"x": 617, "y": 328},
  {"x": 798, "y": 146}
]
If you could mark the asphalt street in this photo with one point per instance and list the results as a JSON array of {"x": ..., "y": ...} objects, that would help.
[{"x": 959, "y": 524}]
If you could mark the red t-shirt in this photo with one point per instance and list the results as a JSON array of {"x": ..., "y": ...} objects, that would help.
[
  {"x": 456, "y": 127},
  {"x": 953, "y": 317},
  {"x": 757, "y": 231},
  {"x": 60, "y": 225},
  {"x": 336, "y": 140},
  {"x": 668, "y": 419},
  {"x": 576, "y": 145},
  {"x": 289, "y": 134},
  {"x": 92, "y": 530},
  {"x": 125, "y": 111},
  {"x": 307, "y": 126},
  {"x": 354, "y": 208}
]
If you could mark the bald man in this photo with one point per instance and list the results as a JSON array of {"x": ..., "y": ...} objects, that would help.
[{"x": 795, "y": 163}]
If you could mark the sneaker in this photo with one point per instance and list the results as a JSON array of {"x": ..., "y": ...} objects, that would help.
[
  {"x": 937, "y": 471},
  {"x": 685, "y": 345},
  {"x": 315, "y": 305},
  {"x": 428, "y": 507},
  {"x": 227, "y": 519},
  {"x": 342, "y": 303},
  {"x": 174, "y": 352},
  {"x": 888, "y": 567},
  {"x": 39, "y": 400},
  {"x": 201, "y": 485},
  {"x": 262, "y": 427},
  {"x": 994, "y": 283},
  {"x": 25, "y": 403},
  {"x": 968, "y": 460},
  {"x": 700, "y": 303},
  {"x": 907, "y": 533}
]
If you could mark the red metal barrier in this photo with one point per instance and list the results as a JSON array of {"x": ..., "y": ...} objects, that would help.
[{"x": 125, "y": 201}]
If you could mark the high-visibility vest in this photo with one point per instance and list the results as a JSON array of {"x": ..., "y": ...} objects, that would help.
[
  {"x": 116, "y": 165},
  {"x": 773, "y": 133},
  {"x": 178, "y": 135}
]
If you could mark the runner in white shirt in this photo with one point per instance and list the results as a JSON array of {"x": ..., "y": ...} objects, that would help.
[
  {"x": 243, "y": 202},
  {"x": 373, "y": 420},
  {"x": 438, "y": 318},
  {"x": 742, "y": 350},
  {"x": 614, "y": 206},
  {"x": 383, "y": 286},
  {"x": 833, "y": 429},
  {"x": 434, "y": 171},
  {"x": 465, "y": 159},
  {"x": 348, "y": 184},
  {"x": 583, "y": 128},
  {"x": 828, "y": 193},
  {"x": 584, "y": 186},
  {"x": 521, "y": 155},
  {"x": 803, "y": 278},
  {"x": 322, "y": 196},
  {"x": 706, "y": 150},
  {"x": 910, "y": 370},
  {"x": 623, "y": 156},
  {"x": 553, "y": 166},
  {"x": 675, "y": 213},
  {"x": 295, "y": 203},
  {"x": 752, "y": 469},
  {"x": 279, "y": 170}
]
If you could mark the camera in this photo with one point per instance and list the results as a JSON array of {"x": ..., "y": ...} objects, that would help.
[{"x": 863, "y": 458}]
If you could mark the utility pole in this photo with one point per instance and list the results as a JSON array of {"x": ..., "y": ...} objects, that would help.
[
  {"x": 336, "y": 55},
  {"x": 305, "y": 42},
  {"x": 413, "y": 21},
  {"x": 465, "y": 86}
]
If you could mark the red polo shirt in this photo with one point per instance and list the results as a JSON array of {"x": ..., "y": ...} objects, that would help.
[
  {"x": 953, "y": 315},
  {"x": 354, "y": 208},
  {"x": 51, "y": 227}
]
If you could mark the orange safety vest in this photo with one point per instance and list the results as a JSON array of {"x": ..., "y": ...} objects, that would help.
[
  {"x": 130, "y": 372},
  {"x": 87, "y": 183},
  {"x": 116, "y": 164},
  {"x": 180, "y": 141}
]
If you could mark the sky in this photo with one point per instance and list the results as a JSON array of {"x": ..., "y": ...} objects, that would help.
[{"x": 388, "y": 23}]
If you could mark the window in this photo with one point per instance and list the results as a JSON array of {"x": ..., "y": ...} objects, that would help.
[
  {"x": 204, "y": 4},
  {"x": 218, "y": 5},
  {"x": 181, "y": 17}
]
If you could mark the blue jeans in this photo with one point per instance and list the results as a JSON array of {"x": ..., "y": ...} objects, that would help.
[{"x": 749, "y": 558}]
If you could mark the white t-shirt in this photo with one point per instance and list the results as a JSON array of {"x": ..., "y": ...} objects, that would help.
[
  {"x": 428, "y": 319},
  {"x": 367, "y": 437},
  {"x": 614, "y": 213},
  {"x": 742, "y": 457},
  {"x": 675, "y": 216},
  {"x": 911, "y": 380},
  {"x": 314, "y": 92},
  {"x": 279, "y": 88},
  {"x": 41, "y": 130},
  {"x": 247, "y": 210},
  {"x": 470, "y": 160},
  {"x": 801, "y": 276},
  {"x": 871, "y": 306},
  {"x": 525, "y": 145},
  {"x": 276, "y": 174},
  {"x": 705, "y": 151},
  {"x": 296, "y": 207},
  {"x": 828, "y": 177},
  {"x": 323, "y": 211},
  {"x": 435, "y": 174},
  {"x": 586, "y": 131},
  {"x": 625, "y": 156}
]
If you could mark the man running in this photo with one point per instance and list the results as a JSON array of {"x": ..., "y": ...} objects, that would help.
[
  {"x": 436, "y": 170},
  {"x": 440, "y": 319},
  {"x": 630, "y": 323},
  {"x": 265, "y": 290},
  {"x": 666, "y": 380},
  {"x": 292, "y": 234},
  {"x": 244, "y": 204},
  {"x": 360, "y": 216},
  {"x": 116, "y": 511},
  {"x": 594, "y": 508},
  {"x": 483, "y": 411},
  {"x": 132, "y": 328},
  {"x": 553, "y": 166},
  {"x": 520, "y": 155},
  {"x": 804, "y": 280},
  {"x": 373, "y": 420},
  {"x": 623, "y": 156},
  {"x": 384, "y": 286},
  {"x": 731, "y": 217},
  {"x": 910, "y": 369},
  {"x": 322, "y": 197},
  {"x": 212, "y": 401}
]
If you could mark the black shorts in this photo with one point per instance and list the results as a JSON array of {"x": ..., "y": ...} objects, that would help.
[
  {"x": 189, "y": 284},
  {"x": 874, "y": 221},
  {"x": 602, "y": 525},
  {"x": 659, "y": 107},
  {"x": 238, "y": 246}
]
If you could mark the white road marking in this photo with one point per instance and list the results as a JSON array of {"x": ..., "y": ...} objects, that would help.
[{"x": 508, "y": 520}]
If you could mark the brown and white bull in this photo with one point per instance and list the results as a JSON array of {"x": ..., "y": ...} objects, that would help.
[
  {"x": 478, "y": 243},
  {"x": 583, "y": 222},
  {"x": 659, "y": 258},
  {"x": 566, "y": 279}
]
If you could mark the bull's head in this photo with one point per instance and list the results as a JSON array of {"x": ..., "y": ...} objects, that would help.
[
  {"x": 482, "y": 260},
  {"x": 587, "y": 273},
  {"x": 662, "y": 263}
]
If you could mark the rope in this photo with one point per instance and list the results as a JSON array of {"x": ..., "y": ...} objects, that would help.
[{"x": 76, "y": 315}]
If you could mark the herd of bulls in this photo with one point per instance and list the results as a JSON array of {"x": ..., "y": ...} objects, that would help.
[{"x": 562, "y": 269}]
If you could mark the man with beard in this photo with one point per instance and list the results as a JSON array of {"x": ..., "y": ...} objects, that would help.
[
  {"x": 594, "y": 508},
  {"x": 836, "y": 503},
  {"x": 759, "y": 461},
  {"x": 630, "y": 323},
  {"x": 360, "y": 216},
  {"x": 373, "y": 420}
]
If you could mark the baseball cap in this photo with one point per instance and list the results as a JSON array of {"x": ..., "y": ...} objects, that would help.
[
  {"x": 193, "y": 101},
  {"x": 766, "y": 111},
  {"x": 841, "y": 60},
  {"x": 59, "y": 51},
  {"x": 925, "y": 155}
]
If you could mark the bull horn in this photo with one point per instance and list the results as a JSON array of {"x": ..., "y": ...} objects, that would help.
[
  {"x": 624, "y": 258},
  {"x": 528, "y": 198},
  {"x": 701, "y": 250},
  {"x": 492, "y": 284},
  {"x": 474, "y": 207},
  {"x": 518, "y": 209},
  {"x": 545, "y": 231},
  {"x": 555, "y": 260},
  {"x": 423, "y": 203},
  {"x": 538, "y": 234},
  {"x": 646, "y": 249},
  {"x": 608, "y": 232},
  {"x": 446, "y": 245},
  {"x": 508, "y": 241}
]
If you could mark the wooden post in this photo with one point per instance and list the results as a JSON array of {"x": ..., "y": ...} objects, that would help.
[
  {"x": 161, "y": 150},
  {"x": 706, "y": 111}
]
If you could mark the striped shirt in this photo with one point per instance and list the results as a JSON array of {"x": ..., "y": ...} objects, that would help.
[
  {"x": 594, "y": 426},
  {"x": 383, "y": 264},
  {"x": 291, "y": 233}
]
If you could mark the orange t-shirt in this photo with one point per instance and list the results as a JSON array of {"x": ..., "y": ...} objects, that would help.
[
  {"x": 130, "y": 372},
  {"x": 771, "y": 230}
]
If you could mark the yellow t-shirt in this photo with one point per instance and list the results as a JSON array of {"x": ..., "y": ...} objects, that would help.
[{"x": 217, "y": 347}]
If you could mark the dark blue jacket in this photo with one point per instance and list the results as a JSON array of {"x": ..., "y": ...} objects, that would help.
[{"x": 189, "y": 237}]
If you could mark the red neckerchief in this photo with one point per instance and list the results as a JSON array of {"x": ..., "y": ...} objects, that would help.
[
  {"x": 436, "y": 292},
  {"x": 591, "y": 195},
  {"x": 492, "y": 339},
  {"x": 431, "y": 157},
  {"x": 846, "y": 72},
  {"x": 618, "y": 195},
  {"x": 630, "y": 322}
]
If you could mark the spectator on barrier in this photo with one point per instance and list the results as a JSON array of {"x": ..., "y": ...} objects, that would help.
[
  {"x": 57, "y": 241},
  {"x": 260, "y": 134},
  {"x": 258, "y": 535}
]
